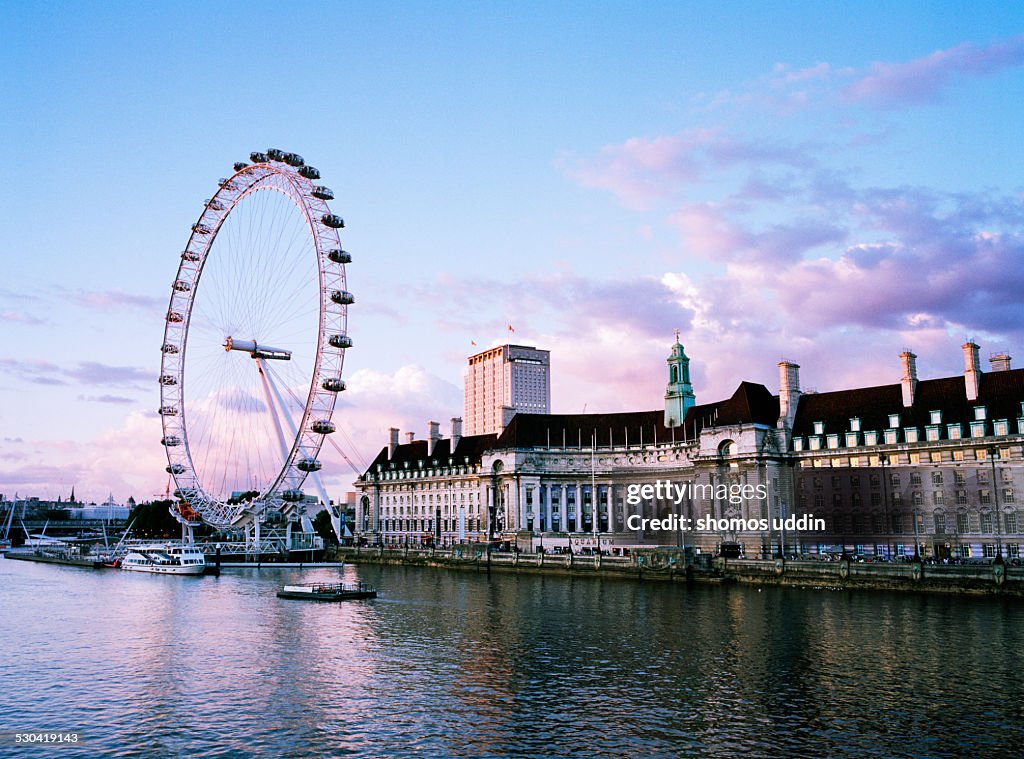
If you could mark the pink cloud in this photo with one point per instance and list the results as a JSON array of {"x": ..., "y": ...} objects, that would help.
[{"x": 890, "y": 85}]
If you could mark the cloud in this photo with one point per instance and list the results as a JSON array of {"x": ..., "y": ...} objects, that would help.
[
  {"x": 42, "y": 372},
  {"x": 641, "y": 170},
  {"x": 21, "y": 317},
  {"x": 116, "y": 399},
  {"x": 105, "y": 300},
  {"x": 891, "y": 85}
]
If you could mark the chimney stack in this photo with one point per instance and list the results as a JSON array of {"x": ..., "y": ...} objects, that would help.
[
  {"x": 456, "y": 431},
  {"x": 410, "y": 437},
  {"x": 433, "y": 435},
  {"x": 392, "y": 441},
  {"x": 1000, "y": 362},
  {"x": 909, "y": 379},
  {"x": 972, "y": 369},
  {"x": 789, "y": 392}
]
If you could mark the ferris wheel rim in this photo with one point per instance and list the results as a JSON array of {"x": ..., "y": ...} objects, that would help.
[{"x": 268, "y": 174}]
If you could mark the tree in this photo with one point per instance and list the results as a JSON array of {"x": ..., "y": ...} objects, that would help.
[
  {"x": 322, "y": 525},
  {"x": 154, "y": 520}
]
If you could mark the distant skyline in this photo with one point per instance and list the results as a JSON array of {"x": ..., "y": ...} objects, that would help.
[{"x": 826, "y": 183}]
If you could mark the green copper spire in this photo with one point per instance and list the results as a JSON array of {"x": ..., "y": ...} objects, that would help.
[{"x": 679, "y": 396}]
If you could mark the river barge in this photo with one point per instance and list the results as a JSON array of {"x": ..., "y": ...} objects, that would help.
[{"x": 327, "y": 592}]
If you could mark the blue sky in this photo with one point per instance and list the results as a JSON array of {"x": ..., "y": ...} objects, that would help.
[{"x": 824, "y": 182}]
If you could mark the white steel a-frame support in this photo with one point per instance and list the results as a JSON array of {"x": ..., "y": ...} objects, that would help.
[{"x": 277, "y": 411}]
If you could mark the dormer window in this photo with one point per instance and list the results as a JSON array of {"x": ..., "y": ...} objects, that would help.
[
  {"x": 910, "y": 434},
  {"x": 819, "y": 428},
  {"x": 935, "y": 417},
  {"x": 833, "y": 440},
  {"x": 894, "y": 421},
  {"x": 980, "y": 413},
  {"x": 855, "y": 424}
]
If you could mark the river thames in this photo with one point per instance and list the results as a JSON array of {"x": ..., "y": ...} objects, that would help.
[{"x": 461, "y": 664}]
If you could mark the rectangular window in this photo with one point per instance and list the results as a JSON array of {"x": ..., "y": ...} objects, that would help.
[
  {"x": 983, "y": 475},
  {"x": 915, "y": 479},
  {"x": 896, "y": 522},
  {"x": 965, "y": 552},
  {"x": 1001, "y": 427},
  {"x": 958, "y": 454},
  {"x": 819, "y": 428},
  {"x": 1011, "y": 522},
  {"x": 910, "y": 434},
  {"x": 894, "y": 420},
  {"x": 837, "y": 499},
  {"x": 1008, "y": 495},
  {"x": 932, "y": 433},
  {"x": 877, "y": 525},
  {"x": 798, "y": 444},
  {"x": 855, "y": 424},
  {"x": 915, "y": 458},
  {"x": 892, "y": 437},
  {"x": 819, "y": 500},
  {"x": 897, "y": 498},
  {"x": 938, "y": 497},
  {"x": 894, "y": 480},
  {"x": 980, "y": 413},
  {"x": 876, "y": 499},
  {"x": 855, "y": 500},
  {"x": 815, "y": 442},
  {"x": 918, "y": 497},
  {"x": 854, "y": 480},
  {"x": 963, "y": 524},
  {"x": 936, "y": 478},
  {"x": 833, "y": 440},
  {"x": 988, "y": 550},
  {"x": 940, "y": 523},
  {"x": 852, "y": 439},
  {"x": 870, "y": 438},
  {"x": 961, "y": 497},
  {"x": 958, "y": 477},
  {"x": 977, "y": 429},
  {"x": 935, "y": 417},
  {"x": 984, "y": 496},
  {"x": 953, "y": 431}
]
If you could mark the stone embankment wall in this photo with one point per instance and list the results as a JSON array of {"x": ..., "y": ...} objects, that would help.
[{"x": 671, "y": 565}]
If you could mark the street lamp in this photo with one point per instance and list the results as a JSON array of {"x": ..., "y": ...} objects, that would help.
[
  {"x": 885, "y": 505},
  {"x": 992, "y": 453}
]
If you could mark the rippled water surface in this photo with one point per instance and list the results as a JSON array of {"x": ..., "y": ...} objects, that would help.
[{"x": 458, "y": 664}]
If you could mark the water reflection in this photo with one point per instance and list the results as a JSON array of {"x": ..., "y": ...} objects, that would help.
[{"x": 462, "y": 664}]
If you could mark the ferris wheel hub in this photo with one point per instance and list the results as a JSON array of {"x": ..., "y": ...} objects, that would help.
[{"x": 256, "y": 350}]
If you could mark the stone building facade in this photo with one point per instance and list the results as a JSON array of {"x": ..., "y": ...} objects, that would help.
[{"x": 935, "y": 465}]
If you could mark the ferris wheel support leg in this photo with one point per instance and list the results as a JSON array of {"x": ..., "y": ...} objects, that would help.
[
  {"x": 270, "y": 388},
  {"x": 268, "y": 391}
]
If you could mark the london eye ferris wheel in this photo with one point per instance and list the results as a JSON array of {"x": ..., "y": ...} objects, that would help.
[{"x": 254, "y": 344}]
